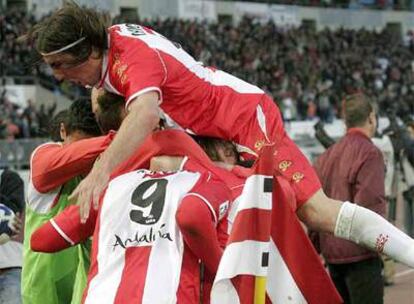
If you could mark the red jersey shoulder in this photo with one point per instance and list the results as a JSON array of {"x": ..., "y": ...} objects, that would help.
[
  {"x": 40, "y": 156},
  {"x": 46, "y": 147},
  {"x": 134, "y": 67},
  {"x": 126, "y": 38}
]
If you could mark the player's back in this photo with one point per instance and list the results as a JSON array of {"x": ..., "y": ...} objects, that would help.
[
  {"x": 204, "y": 100},
  {"x": 138, "y": 248}
]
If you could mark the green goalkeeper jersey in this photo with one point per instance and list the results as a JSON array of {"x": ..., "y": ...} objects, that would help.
[{"x": 52, "y": 278}]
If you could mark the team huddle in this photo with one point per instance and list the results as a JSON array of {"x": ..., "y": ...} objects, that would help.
[
  {"x": 132, "y": 206},
  {"x": 138, "y": 246}
]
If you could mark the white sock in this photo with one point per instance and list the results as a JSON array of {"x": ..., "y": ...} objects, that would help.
[{"x": 369, "y": 229}]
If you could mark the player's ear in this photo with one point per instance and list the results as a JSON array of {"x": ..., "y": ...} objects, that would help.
[{"x": 62, "y": 131}]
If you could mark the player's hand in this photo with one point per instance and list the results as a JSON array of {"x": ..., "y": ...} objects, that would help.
[
  {"x": 17, "y": 224},
  {"x": 89, "y": 191},
  {"x": 17, "y": 227}
]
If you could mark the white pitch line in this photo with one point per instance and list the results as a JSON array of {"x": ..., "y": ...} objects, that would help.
[{"x": 404, "y": 273}]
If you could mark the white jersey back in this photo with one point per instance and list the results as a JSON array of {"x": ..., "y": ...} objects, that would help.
[{"x": 140, "y": 248}]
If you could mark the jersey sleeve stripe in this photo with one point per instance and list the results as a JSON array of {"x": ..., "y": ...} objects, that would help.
[
  {"x": 206, "y": 202},
  {"x": 164, "y": 66},
  {"x": 183, "y": 162},
  {"x": 62, "y": 234},
  {"x": 141, "y": 92}
]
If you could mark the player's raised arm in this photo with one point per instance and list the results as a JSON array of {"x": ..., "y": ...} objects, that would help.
[{"x": 53, "y": 164}]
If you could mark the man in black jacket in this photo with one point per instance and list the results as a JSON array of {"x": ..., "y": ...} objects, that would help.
[{"x": 11, "y": 195}]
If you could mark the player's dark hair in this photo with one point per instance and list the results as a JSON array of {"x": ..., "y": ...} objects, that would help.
[
  {"x": 67, "y": 25},
  {"x": 357, "y": 108},
  {"x": 109, "y": 115},
  {"x": 55, "y": 122},
  {"x": 210, "y": 145},
  {"x": 82, "y": 119}
]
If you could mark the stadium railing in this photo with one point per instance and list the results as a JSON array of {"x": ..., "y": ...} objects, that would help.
[{"x": 16, "y": 153}]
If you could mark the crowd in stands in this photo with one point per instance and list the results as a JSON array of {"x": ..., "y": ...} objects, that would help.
[
  {"x": 14, "y": 57},
  {"x": 352, "y": 4},
  {"x": 24, "y": 122},
  {"x": 307, "y": 72},
  {"x": 18, "y": 59}
]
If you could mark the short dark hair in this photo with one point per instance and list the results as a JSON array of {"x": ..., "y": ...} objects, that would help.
[
  {"x": 109, "y": 112},
  {"x": 55, "y": 122},
  {"x": 210, "y": 145},
  {"x": 81, "y": 118},
  {"x": 357, "y": 108},
  {"x": 67, "y": 25}
]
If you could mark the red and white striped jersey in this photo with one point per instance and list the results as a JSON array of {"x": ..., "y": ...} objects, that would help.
[
  {"x": 201, "y": 100},
  {"x": 138, "y": 247}
]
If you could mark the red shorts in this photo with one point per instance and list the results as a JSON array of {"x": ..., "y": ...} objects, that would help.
[{"x": 289, "y": 162}]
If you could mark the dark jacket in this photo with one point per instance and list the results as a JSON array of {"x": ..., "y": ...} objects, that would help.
[
  {"x": 12, "y": 195},
  {"x": 351, "y": 170},
  {"x": 11, "y": 190}
]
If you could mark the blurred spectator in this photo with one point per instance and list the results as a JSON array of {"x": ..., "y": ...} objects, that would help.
[
  {"x": 44, "y": 116},
  {"x": 408, "y": 194},
  {"x": 354, "y": 4},
  {"x": 407, "y": 170},
  {"x": 16, "y": 122},
  {"x": 14, "y": 57},
  {"x": 29, "y": 116}
]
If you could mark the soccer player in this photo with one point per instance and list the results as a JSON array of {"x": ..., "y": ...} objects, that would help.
[
  {"x": 56, "y": 168},
  {"x": 156, "y": 76}
]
